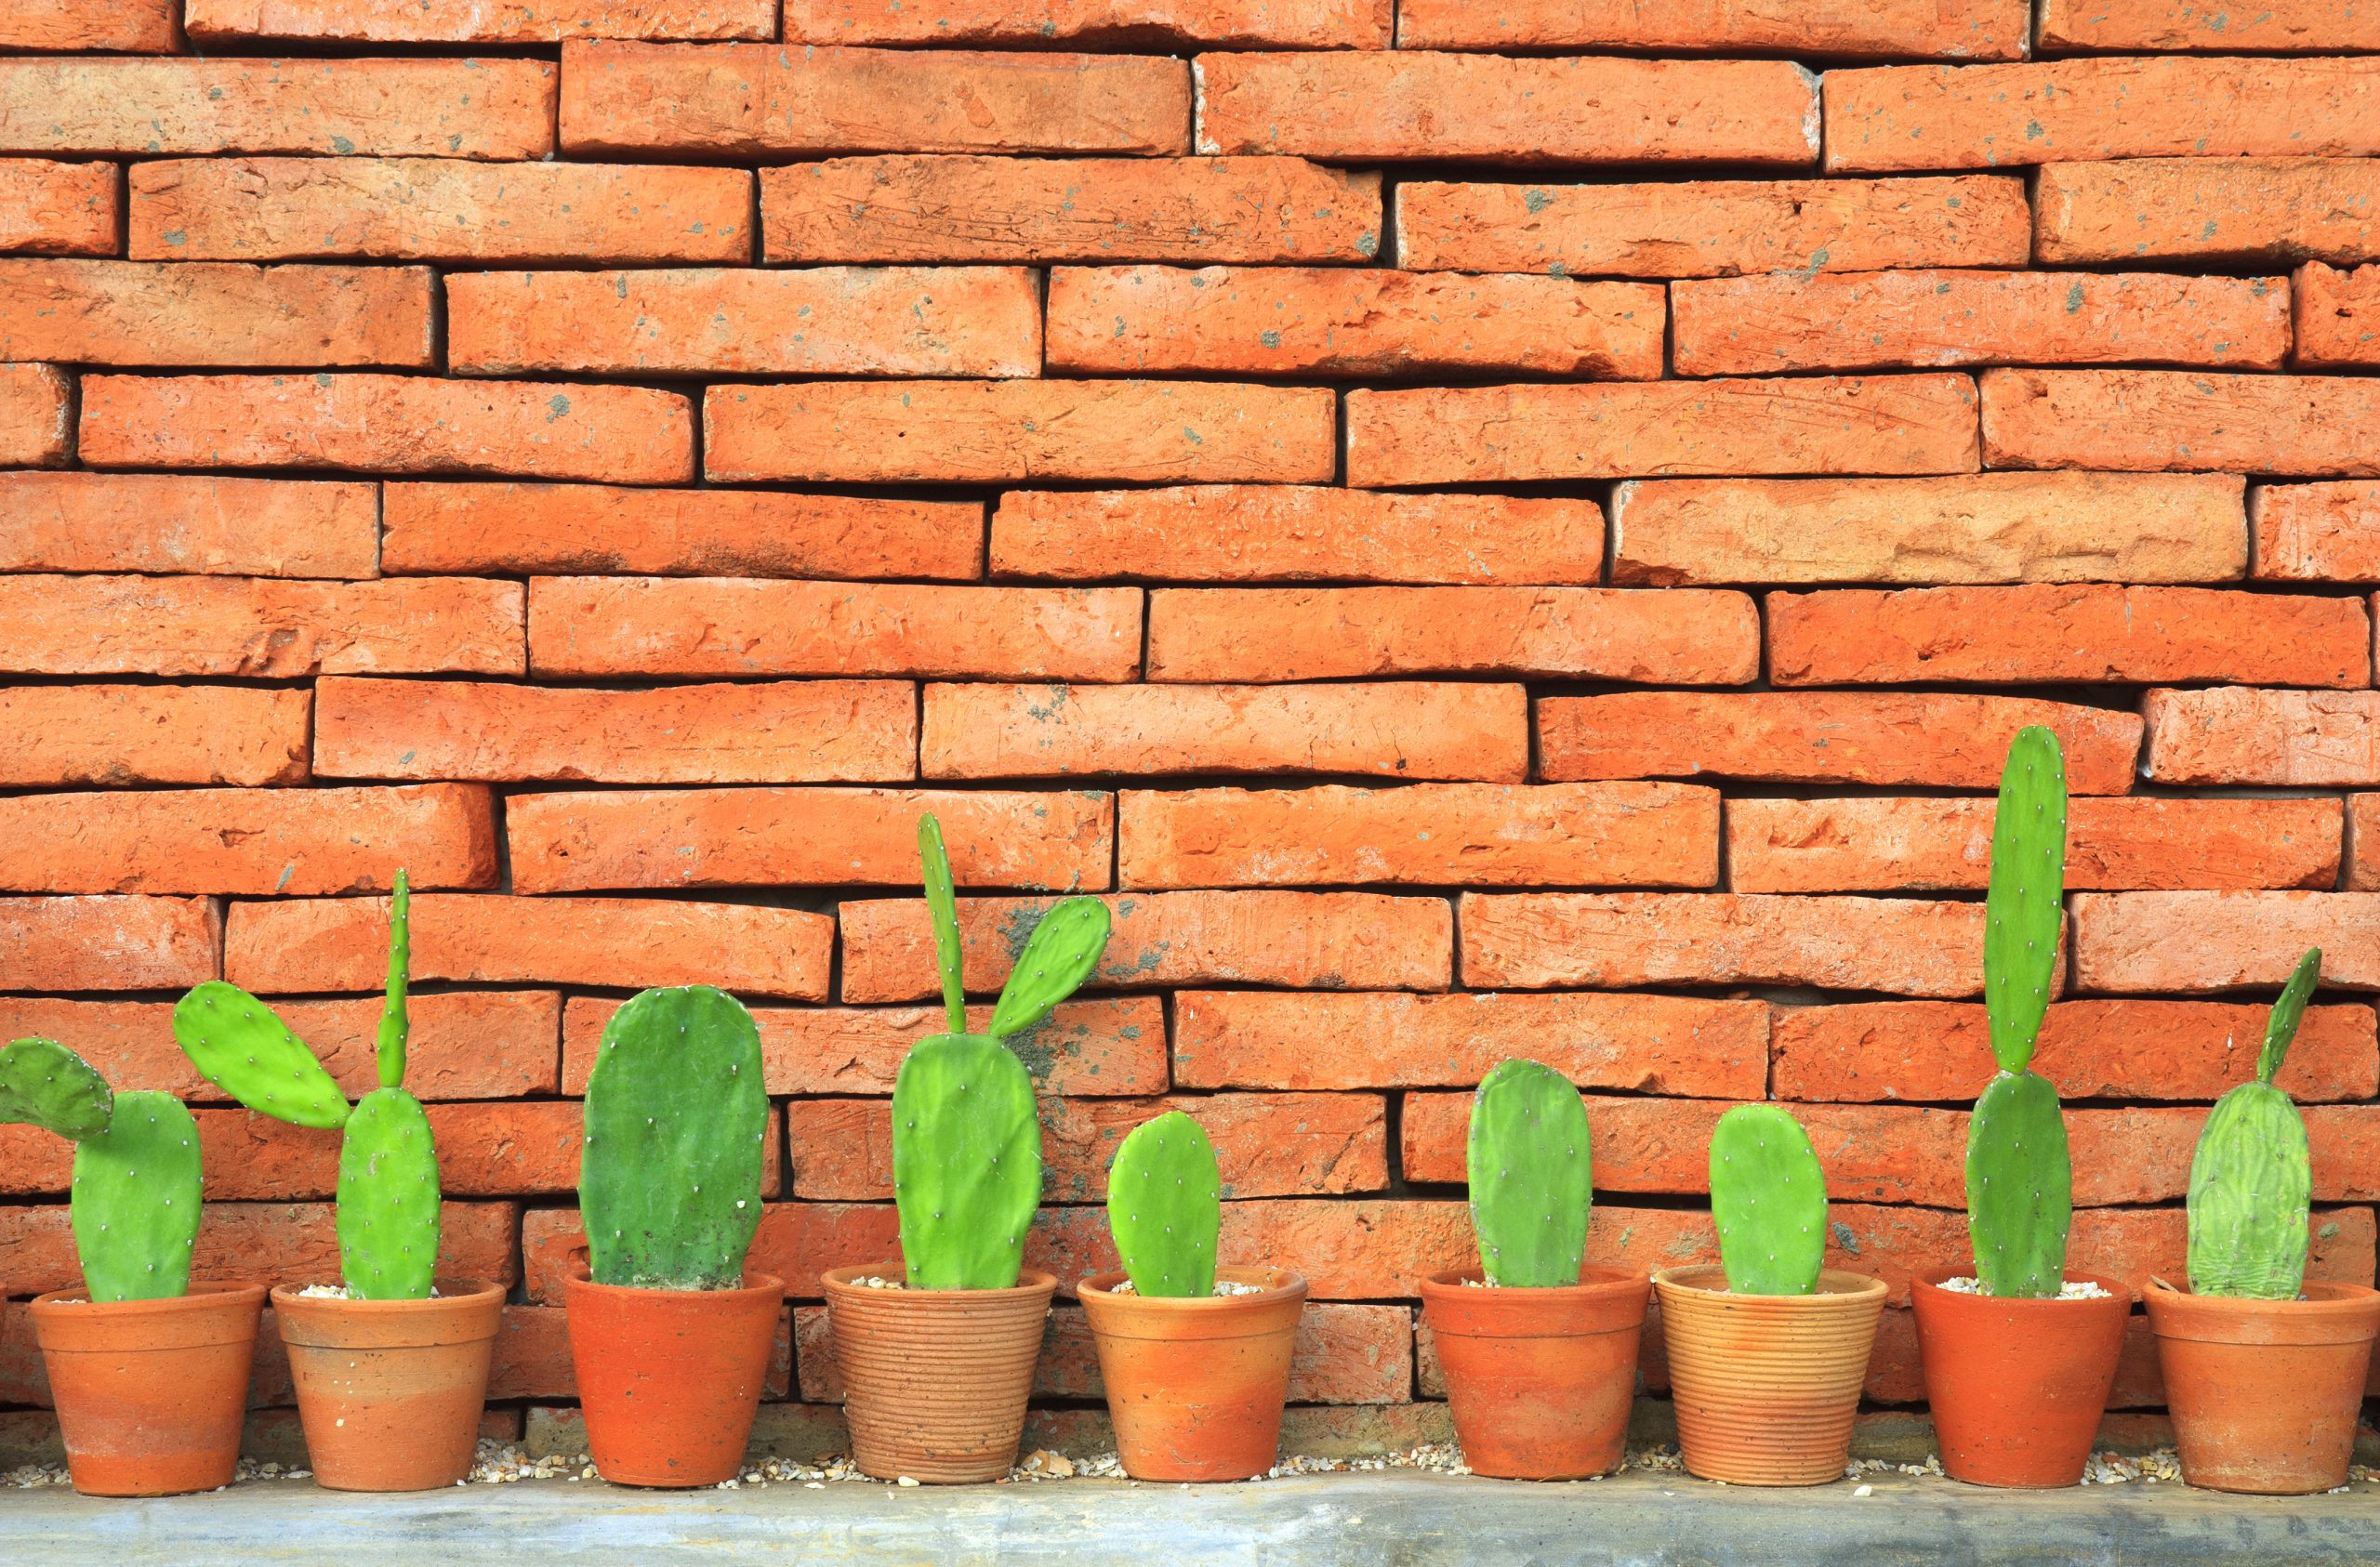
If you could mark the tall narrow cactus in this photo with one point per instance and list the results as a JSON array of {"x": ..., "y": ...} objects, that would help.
[
  {"x": 2252, "y": 1178},
  {"x": 1165, "y": 1207},
  {"x": 1531, "y": 1183},
  {"x": 1768, "y": 1198}
]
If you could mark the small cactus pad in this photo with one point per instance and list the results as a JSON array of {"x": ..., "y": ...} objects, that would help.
[
  {"x": 2020, "y": 1188},
  {"x": 395, "y": 1024},
  {"x": 388, "y": 1199},
  {"x": 1058, "y": 957},
  {"x": 2281, "y": 1028},
  {"x": 966, "y": 1162},
  {"x": 942, "y": 902},
  {"x": 1532, "y": 1181},
  {"x": 2252, "y": 1178},
  {"x": 1768, "y": 1197},
  {"x": 44, "y": 1084},
  {"x": 136, "y": 1204},
  {"x": 676, "y": 1121},
  {"x": 2024, "y": 907},
  {"x": 1165, "y": 1207},
  {"x": 239, "y": 1046}
]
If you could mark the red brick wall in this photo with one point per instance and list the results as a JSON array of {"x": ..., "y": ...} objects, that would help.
[{"x": 1505, "y": 528}]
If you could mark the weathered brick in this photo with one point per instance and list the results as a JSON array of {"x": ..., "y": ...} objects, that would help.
[
  {"x": 284, "y": 1243},
  {"x": 2296, "y": 738},
  {"x": 1929, "y": 739},
  {"x": 2196, "y": 941},
  {"x": 108, "y": 736},
  {"x": 497, "y": 109},
  {"x": 390, "y": 424},
  {"x": 2332, "y": 316},
  {"x": 2363, "y": 843},
  {"x": 37, "y": 416},
  {"x": 1886, "y": 845},
  {"x": 172, "y": 524},
  {"x": 1484, "y": 435},
  {"x": 1644, "y": 1044},
  {"x": 2287, "y": 26},
  {"x": 476, "y": 22},
  {"x": 2215, "y": 210},
  {"x": 341, "y": 943},
  {"x": 983, "y": 432},
  {"x": 1322, "y": 940},
  {"x": 107, "y": 944},
  {"x": 1337, "y": 321},
  {"x": 140, "y": 312},
  {"x": 1407, "y": 731},
  {"x": 1954, "y": 29},
  {"x": 1259, "y": 532},
  {"x": 144, "y": 26},
  {"x": 2066, "y": 633},
  {"x": 833, "y": 321},
  {"x": 1287, "y": 24},
  {"x": 1375, "y": 105},
  {"x": 59, "y": 210},
  {"x": 1977, "y": 528},
  {"x": 968, "y": 208},
  {"x": 586, "y": 841},
  {"x": 2146, "y": 421},
  {"x": 257, "y": 627}
]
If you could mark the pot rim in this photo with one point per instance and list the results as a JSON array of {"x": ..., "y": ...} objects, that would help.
[
  {"x": 754, "y": 1284},
  {"x": 838, "y": 1281},
  {"x": 1835, "y": 1286},
  {"x": 453, "y": 1294},
  {"x": 199, "y": 1295},
  {"x": 1286, "y": 1284},
  {"x": 1595, "y": 1279},
  {"x": 2339, "y": 1313},
  {"x": 1929, "y": 1281}
]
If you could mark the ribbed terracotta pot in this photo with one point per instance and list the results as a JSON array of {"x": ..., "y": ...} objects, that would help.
[
  {"x": 1540, "y": 1381},
  {"x": 670, "y": 1380},
  {"x": 2017, "y": 1387},
  {"x": 150, "y": 1393},
  {"x": 1195, "y": 1386},
  {"x": 1766, "y": 1384},
  {"x": 2264, "y": 1393},
  {"x": 934, "y": 1380},
  {"x": 390, "y": 1392}
]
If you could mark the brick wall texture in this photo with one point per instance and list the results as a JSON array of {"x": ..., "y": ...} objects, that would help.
[{"x": 1497, "y": 528}]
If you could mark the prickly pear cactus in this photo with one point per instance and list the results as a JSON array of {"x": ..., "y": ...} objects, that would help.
[
  {"x": 2252, "y": 1178},
  {"x": 1165, "y": 1207},
  {"x": 941, "y": 904},
  {"x": 136, "y": 1205},
  {"x": 966, "y": 1162},
  {"x": 677, "y": 1117},
  {"x": 2020, "y": 1188},
  {"x": 394, "y": 1025},
  {"x": 388, "y": 1199},
  {"x": 1768, "y": 1197},
  {"x": 238, "y": 1044},
  {"x": 44, "y": 1084},
  {"x": 1058, "y": 957},
  {"x": 1532, "y": 1182}
]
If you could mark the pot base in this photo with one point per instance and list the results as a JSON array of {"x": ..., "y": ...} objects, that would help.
[
  {"x": 390, "y": 1392},
  {"x": 150, "y": 1393},
  {"x": 2017, "y": 1387},
  {"x": 934, "y": 1380},
  {"x": 1765, "y": 1385},
  {"x": 669, "y": 1380},
  {"x": 1196, "y": 1387},
  {"x": 2264, "y": 1393},
  {"x": 1540, "y": 1382}
]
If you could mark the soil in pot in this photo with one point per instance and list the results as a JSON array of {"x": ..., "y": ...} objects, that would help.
[
  {"x": 1540, "y": 1381},
  {"x": 2017, "y": 1387},
  {"x": 670, "y": 1380},
  {"x": 390, "y": 1392},
  {"x": 1195, "y": 1386},
  {"x": 1766, "y": 1384},
  {"x": 150, "y": 1393},
  {"x": 2264, "y": 1394},
  {"x": 934, "y": 1380}
]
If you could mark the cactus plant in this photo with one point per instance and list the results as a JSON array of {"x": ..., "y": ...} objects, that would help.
[
  {"x": 1531, "y": 1185},
  {"x": 1768, "y": 1198},
  {"x": 2251, "y": 1179},
  {"x": 1165, "y": 1207}
]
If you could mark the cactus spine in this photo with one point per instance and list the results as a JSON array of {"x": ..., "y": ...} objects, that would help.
[
  {"x": 1531, "y": 1184},
  {"x": 2252, "y": 1178},
  {"x": 135, "y": 1207},
  {"x": 1768, "y": 1198},
  {"x": 1165, "y": 1207}
]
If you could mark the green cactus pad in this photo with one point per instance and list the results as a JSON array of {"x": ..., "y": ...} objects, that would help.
[
  {"x": 388, "y": 1199},
  {"x": 238, "y": 1044},
  {"x": 2025, "y": 904},
  {"x": 1165, "y": 1207},
  {"x": 1532, "y": 1176},
  {"x": 2281, "y": 1027},
  {"x": 2020, "y": 1188},
  {"x": 395, "y": 1024},
  {"x": 1058, "y": 957},
  {"x": 676, "y": 1123},
  {"x": 1768, "y": 1198},
  {"x": 44, "y": 1084},
  {"x": 136, "y": 1205},
  {"x": 966, "y": 1162},
  {"x": 942, "y": 903},
  {"x": 2251, "y": 1177}
]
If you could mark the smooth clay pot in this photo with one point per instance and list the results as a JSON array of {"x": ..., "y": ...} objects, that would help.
[
  {"x": 1195, "y": 1386},
  {"x": 670, "y": 1380},
  {"x": 150, "y": 1393},
  {"x": 934, "y": 1380},
  {"x": 2264, "y": 1393},
  {"x": 1540, "y": 1381},
  {"x": 390, "y": 1392},
  {"x": 1766, "y": 1384},
  {"x": 2017, "y": 1387}
]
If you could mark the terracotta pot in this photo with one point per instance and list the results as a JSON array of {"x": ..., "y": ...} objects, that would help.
[
  {"x": 1540, "y": 1381},
  {"x": 390, "y": 1392},
  {"x": 1196, "y": 1387},
  {"x": 150, "y": 1393},
  {"x": 670, "y": 1380},
  {"x": 2017, "y": 1387},
  {"x": 1766, "y": 1383},
  {"x": 2264, "y": 1393},
  {"x": 934, "y": 1380}
]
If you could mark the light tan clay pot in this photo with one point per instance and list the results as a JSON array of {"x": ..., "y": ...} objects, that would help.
[
  {"x": 1196, "y": 1387},
  {"x": 1540, "y": 1381},
  {"x": 2017, "y": 1387},
  {"x": 150, "y": 1393},
  {"x": 669, "y": 1380},
  {"x": 390, "y": 1392},
  {"x": 1766, "y": 1384},
  {"x": 934, "y": 1380},
  {"x": 2264, "y": 1393}
]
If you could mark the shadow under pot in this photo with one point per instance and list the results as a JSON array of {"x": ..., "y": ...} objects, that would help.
[
  {"x": 150, "y": 1393},
  {"x": 2017, "y": 1387},
  {"x": 669, "y": 1380},
  {"x": 390, "y": 1392},
  {"x": 1195, "y": 1385},
  {"x": 1540, "y": 1382},
  {"x": 2264, "y": 1394},
  {"x": 935, "y": 1380}
]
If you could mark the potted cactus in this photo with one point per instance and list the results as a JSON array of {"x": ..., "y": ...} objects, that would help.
[
  {"x": 1195, "y": 1357},
  {"x": 1538, "y": 1351},
  {"x": 2264, "y": 1367},
  {"x": 669, "y": 1335},
  {"x": 1768, "y": 1350},
  {"x": 2020, "y": 1354},
  {"x": 937, "y": 1351},
  {"x": 390, "y": 1365}
]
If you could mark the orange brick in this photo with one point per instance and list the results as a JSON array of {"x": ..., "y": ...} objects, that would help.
[
  {"x": 2146, "y": 421},
  {"x": 475, "y": 21},
  {"x": 1406, "y": 731},
  {"x": 107, "y": 944},
  {"x": 2069, "y": 632},
  {"x": 581, "y": 842},
  {"x": 1646, "y": 1043},
  {"x": 275, "y": 1242},
  {"x": 1371, "y": 105},
  {"x": 2333, "y": 314},
  {"x": 134, "y": 25},
  {"x": 1883, "y": 845},
  {"x": 1258, "y": 533},
  {"x": 2364, "y": 842},
  {"x": 965, "y": 208},
  {"x": 985, "y": 433},
  {"x": 2194, "y": 942},
  {"x": 137, "y": 312},
  {"x": 257, "y": 627},
  {"x": 2216, "y": 210},
  {"x": 1484, "y": 435},
  {"x": 1323, "y": 941},
  {"x": 2317, "y": 532},
  {"x": 1335, "y": 321},
  {"x": 2313, "y": 26},
  {"x": 2234, "y": 736},
  {"x": 498, "y": 109},
  {"x": 37, "y": 416},
  {"x": 388, "y": 424},
  {"x": 171, "y": 524},
  {"x": 1929, "y": 739},
  {"x": 1288, "y": 24},
  {"x": 1954, "y": 29},
  {"x": 341, "y": 943},
  {"x": 59, "y": 210},
  {"x": 108, "y": 736}
]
